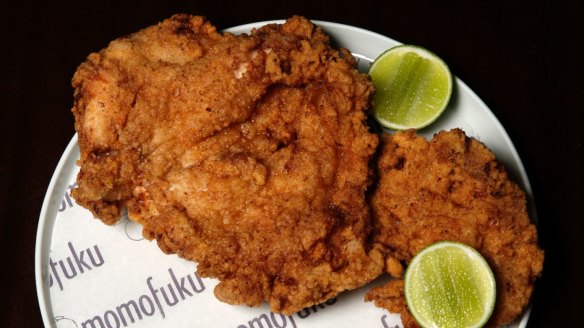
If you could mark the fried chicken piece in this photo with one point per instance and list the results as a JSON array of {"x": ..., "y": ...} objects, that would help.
[
  {"x": 247, "y": 154},
  {"x": 452, "y": 188}
]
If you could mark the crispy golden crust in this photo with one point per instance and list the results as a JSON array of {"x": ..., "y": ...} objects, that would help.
[
  {"x": 452, "y": 188},
  {"x": 248, "y": 154}
]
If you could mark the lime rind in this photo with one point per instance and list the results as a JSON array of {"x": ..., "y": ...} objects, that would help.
[
  {"x": 391, "y": 101},
  {"x": 487, "y": 279}
]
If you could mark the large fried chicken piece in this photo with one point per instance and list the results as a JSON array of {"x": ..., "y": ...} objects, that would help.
[
  {"x": 248, "y": 154},
  {"x": 452, "y": 188}
]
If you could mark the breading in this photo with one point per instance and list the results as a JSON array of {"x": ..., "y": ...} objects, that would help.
[
  {"x": 247, "y": 154},
  {"x": 452, "y": 188}
]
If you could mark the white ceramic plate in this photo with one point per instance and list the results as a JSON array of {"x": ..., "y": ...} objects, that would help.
[{"x": 92, "y": 275}]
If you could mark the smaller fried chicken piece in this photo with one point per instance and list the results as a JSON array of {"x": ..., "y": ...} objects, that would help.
[{"x": 452, "y": 188}]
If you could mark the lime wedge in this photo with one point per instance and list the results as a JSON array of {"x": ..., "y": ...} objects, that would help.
[
  {"x": 413, "y": 87},
  {"x": 449, "y": 284}
]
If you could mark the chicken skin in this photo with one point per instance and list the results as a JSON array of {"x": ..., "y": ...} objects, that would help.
[
  {"x": 248, "y": 154},
  {"x": 452, "y": 188}
]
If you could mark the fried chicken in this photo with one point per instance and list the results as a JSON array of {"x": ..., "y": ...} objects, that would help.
[
  {"x": 247, "y": 154},
  {"x": 452, "y": 188}
]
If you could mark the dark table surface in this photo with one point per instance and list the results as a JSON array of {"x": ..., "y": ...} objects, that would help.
[{"x": 523, "y": 59}]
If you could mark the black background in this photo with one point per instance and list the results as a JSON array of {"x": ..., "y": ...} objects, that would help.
[{"x": 524, "y": 59}]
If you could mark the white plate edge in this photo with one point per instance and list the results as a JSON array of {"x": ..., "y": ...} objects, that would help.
[{"x": 47, "y": 218}]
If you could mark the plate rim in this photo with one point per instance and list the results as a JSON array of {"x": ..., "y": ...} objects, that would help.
[{"x": 45, "y": 232}]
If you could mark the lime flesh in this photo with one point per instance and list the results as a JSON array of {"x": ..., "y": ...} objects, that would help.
[
  {"x": 413, "y": 87},
  {"x": 450, "y": 284}
]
